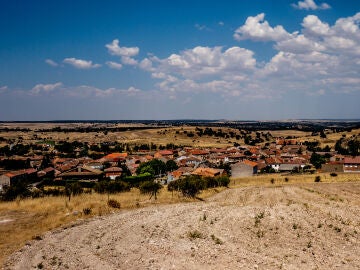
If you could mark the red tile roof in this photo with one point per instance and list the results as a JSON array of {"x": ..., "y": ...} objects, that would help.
[
  {"x": 250, "y": 163},
  {"x": 352, "y": 160}
]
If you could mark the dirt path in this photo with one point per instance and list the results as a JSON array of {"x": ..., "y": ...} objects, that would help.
[{"x": 310, "y": 226}]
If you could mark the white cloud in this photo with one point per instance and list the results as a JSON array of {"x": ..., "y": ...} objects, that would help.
[
  {"x": 126, "y": 53},
  {"x": 207, "y": 61},
  {"x": 313, "y": 26},
  {"x": 221, "y": 23},
  {"x": 146, "y": 64},
  {"x": 80, "y": 64},
  {"x": 255, "y": 28},
  {"x": 45, "y": 88},
  {"x": 114, "y": 65},
  {"x": 299, "y": 44},
  {"x": 310, "y": 5},
  {"x": 315, "y": 54},
  {"x": 126, "y": 60},
  {"x": 115, "y": 49},
  {"x": 51, "y": 63}
]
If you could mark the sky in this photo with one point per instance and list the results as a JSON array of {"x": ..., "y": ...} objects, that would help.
[{"x": 137, "y": 60}]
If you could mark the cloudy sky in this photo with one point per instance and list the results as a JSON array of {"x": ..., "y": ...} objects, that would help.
[{"x": 238, "y": 60}]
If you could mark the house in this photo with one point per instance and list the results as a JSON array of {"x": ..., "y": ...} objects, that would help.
[
  {"x": 113, "y": 172},
  {"x": 81, "y": 173},
  {"x": 244, "y": 168},
  {"x": 95, "y": 165},
  {"x": 115, "y": 157},
  {"x": 199, "y": 153},
  {"x": 288, "y": 167},
  {"x": 164, "y": 153},
  {"x": 48, "y": 172},
  {"x": 352, "y": 164},
  {"x": 12, "y": 178},
  {"x": 333, "y": 166},
  {"x": 274, "y": 163},
  {"x": 208, "y": 172},
  {"x": 182, "y": 171}
]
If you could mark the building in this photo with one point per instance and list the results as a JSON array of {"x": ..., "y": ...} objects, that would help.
[
  {"x": 208, "y": 172},
  {"x": 244, "y": 168},
  {"x": 113, "y": 172},
  {"x": 81, "y": 173},
  {"x": 352, "y": 164},
  {"x": 15, "y": 177},
  {"x": 333, "y": 166}
]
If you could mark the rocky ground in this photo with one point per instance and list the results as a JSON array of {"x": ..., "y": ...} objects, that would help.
[{"x": 308, "y": 226}]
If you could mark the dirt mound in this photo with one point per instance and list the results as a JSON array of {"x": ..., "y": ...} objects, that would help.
[{"x": 312, "y": 226}]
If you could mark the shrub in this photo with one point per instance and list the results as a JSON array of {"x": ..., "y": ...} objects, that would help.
[
  {"x": 150, "y": 187},
  {"x": 190, "y": 186},
  {"x": 195, "y": 234},
  {"x": 317, "y": 178},
  {"x": 272, "y": 180},
  {"x": 111, "y": 186},
  {"x": 87, "y": 211},
  {"x": 333, "y": 174},
  {"x": 223, "y": 181},
  {"x": 113, "y": 203},
  {"x": 216, "y": 240},
  {"x": 286, "y": 179}
]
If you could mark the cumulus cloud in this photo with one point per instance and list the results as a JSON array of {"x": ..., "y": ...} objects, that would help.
[
  {"x": 310, "y": 5},
  {"x": 45, "y": 88},
  {"x": 80, "y": 64},
  {"x": 315, "y": 54},
  {"x": 255, "y": 28},
  {"x": 115, "y": 49},
  {"x": 146, "y": 64},
  {"x": 126, "y": 53},
  {"x": 114, "y": 65},
  {"x": 126, "y": 60},
  {"x": 51, "y": 63},
  {"x": 207, "y": 61}
]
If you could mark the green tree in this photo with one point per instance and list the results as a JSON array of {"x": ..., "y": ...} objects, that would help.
[
  {"x": 317, "y": 160},
  {"x": 171, "y": 166},
  {"x": 158, "y": 167},
  {"x": 150, "y": 187}
]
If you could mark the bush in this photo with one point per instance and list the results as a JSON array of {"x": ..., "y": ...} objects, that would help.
[
  {"x": 111, "y": 186},
  {"x": 223, "y": 181},
  {"x": 18, "y": 190},
  {"x": 286, "y": 179},
  {"x": 190, "y": 186},
  {"x": 150, "y": 187},
  {"x": 87, "y": 211},
  {"x": 272, "y": 180},
  {"x": 134, "y": 181},
  {"x": 113, "y": 203},
  {"x": 317, "y": 178},
  {"x": 333, "y": 174}
]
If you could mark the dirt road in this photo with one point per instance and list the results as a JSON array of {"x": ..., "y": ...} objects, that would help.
[{"x": 308, "y": 226}]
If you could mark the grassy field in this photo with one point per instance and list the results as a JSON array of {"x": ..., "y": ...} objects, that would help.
[
  {"x": 23, "y": 220},
  {"x": 158, "y": 136}
]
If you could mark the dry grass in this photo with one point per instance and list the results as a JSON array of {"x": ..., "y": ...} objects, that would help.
[
  {"x": 279, "y": 179},
  {"x": 28, "y": 218}
]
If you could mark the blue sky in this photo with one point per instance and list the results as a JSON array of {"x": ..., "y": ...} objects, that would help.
[{"x": 258, "y": 59}]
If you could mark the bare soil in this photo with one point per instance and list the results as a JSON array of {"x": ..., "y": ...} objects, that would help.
[{"x": 301, "y": 226}]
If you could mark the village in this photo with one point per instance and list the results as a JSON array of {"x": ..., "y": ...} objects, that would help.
[{"x": 60, "y": 163}]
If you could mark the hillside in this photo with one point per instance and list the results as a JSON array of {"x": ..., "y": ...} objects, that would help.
[{"x": 310, "y": 225}]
